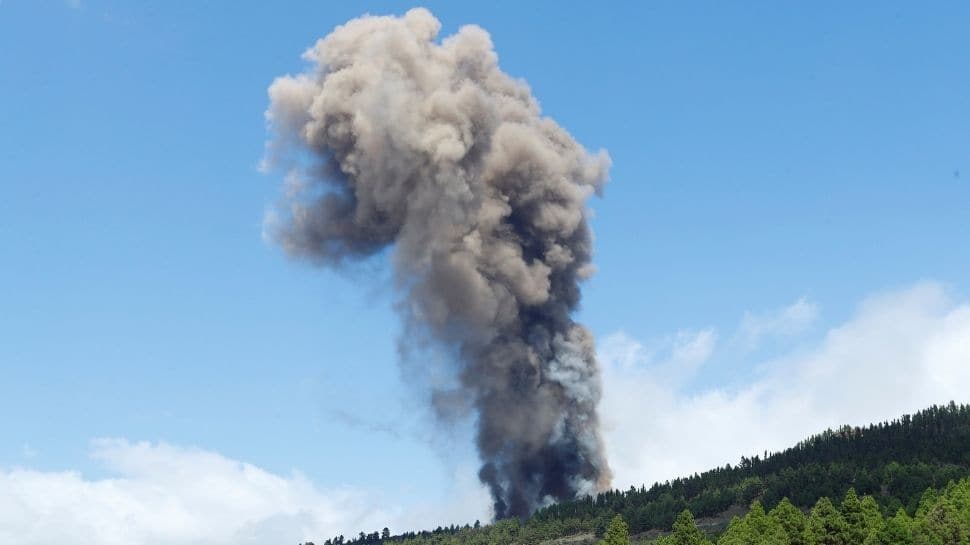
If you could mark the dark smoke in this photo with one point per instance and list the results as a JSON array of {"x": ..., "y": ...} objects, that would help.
[{"x": 428, "y": 146}]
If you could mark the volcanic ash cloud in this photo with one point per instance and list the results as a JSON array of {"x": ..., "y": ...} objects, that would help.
[{"x": 398, "y": 139}]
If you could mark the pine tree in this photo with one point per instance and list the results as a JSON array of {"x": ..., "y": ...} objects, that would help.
[
  {"x": 855, "y": 521},
  {"x": 617, "y": 533},
  {"x": 942, "y": 524},
  {"x": 898, "y": 530},
  {"x": 826, "y": 525},
  {"x": 872, "y": 516},
  {"x": 791, "y": 520},
  {"x": 762, "y": 529},
  {"x": 755, "y": 528},
  {"x": 686, "y": 531}
]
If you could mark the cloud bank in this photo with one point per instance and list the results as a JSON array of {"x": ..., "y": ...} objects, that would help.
[
  {"x": 901, "y": 351},
  {"x": 162, "y": 494}
]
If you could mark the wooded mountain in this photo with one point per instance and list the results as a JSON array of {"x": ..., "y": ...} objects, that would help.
[{"x": 894, "y": 463}]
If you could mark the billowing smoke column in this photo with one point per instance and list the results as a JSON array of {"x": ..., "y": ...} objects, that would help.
[{"x": 428, "y": 146}]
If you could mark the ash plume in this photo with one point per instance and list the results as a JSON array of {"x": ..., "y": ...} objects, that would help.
[{"x": 425, "y": 146}]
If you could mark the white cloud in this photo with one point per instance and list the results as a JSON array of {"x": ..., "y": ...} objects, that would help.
[
  {"x": 786, "y": 322},
  {"x": 900, "y": 352},
  {"x": 168, "y": 495},
  {"x": 673, "y": 357}
]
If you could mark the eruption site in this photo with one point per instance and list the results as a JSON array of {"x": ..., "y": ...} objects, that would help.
[{"x": 427, "y": 147}]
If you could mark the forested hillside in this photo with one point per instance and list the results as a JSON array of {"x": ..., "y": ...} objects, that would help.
[
  {"x": 891, "y": 464},
  {"x": 941, "y": 518}
]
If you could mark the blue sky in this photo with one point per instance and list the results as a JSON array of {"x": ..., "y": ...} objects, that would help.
[{"x": 761, "y": 154}]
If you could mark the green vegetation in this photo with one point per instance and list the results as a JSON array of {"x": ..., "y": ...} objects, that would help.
[
  {"x": 617, "y": 533},
  {"x": 685, "y": 532},
  {"x": 942, "y": 518},
  {"x": 895, "y": 481}
]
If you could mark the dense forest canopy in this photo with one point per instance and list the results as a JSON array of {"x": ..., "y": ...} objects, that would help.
[
  {"x": 942, "y": 517},
  {"x": 903, "y": 470}
]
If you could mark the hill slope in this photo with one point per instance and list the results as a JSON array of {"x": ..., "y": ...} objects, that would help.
[{"x": 894, "y": 462}]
